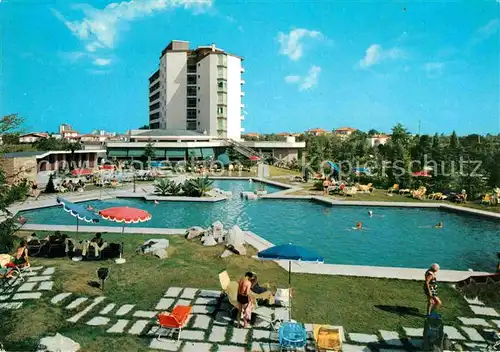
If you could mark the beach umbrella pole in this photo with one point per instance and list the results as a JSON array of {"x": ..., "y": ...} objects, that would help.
[
  {"x": 77, "y": 223},
  {"x": 289, "y": 290}
]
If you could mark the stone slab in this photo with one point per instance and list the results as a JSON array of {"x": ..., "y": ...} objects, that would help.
[
  {"x": 27, "y": 295},
  {"x": 195, "y": 335},
  {"x": 354, "y": 348},
  {"x": 46, "y": 286},
  {"x": 258, "y": 334},
  {"x": 124, "y": 309},
  {"x": 203, "y": 309},
  {"x": 474, "y": 301},
  {"x": 471, "y": 346},
  {"x": 189, "y": 293},
  {"x": 39, "y": 278},
  {"x": 164, "y": 304},
  {"x": 222, "y": 318},
  {"x": 97, "y": 321},
  {"x": 36, "y": 268},
  {"x": 60, "y": 297},
  {"x": 230, "y": 348},
  {"x": 108, "y": 309},
  {"x": 391, "y": 337},
  {"x": 496, "y": 322},
  {"x": 201, "y": 322},
  {"x": 11, "y": 305},
  {"x": 138, "y": 327},
  {"x": 259, "y": 346},
  {"x": 209, "y": 294},
  {"x": 363, "y": 338},
  {"x": 484, "y": 311},
  {"x": 453, "y": 333},
  {"x": 91, "y": 306},
  {"x": 119, "y": 326},
  {"x": 4, "y": 297},
  {"x": 76, "y": 303},
  {"x": 239, "y": 336},
  {"x": 473, "y": 321},
  {"x": 218, "y": 334},
  {"x": 412, "y": 332},
  {"x": 49, "y": 271},
  {"x": 472, "y": 334},
  {"x": 206, "y": 301},
  {"x": 173, "y": 292},
  {"x": 165, "y": 345},
  {"x": 145, "y": 314},
  {"x": 197, "y": 347},
  {"x": 26, "y": 287},
  {"x": 183, "y": 302},
  {"x": 417, "y": 343}
]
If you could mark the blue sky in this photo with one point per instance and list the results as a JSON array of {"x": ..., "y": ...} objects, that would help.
[{"x": 308, "y": 64}]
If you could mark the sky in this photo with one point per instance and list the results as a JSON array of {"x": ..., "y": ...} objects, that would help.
[{"x": 308, "y": 64}]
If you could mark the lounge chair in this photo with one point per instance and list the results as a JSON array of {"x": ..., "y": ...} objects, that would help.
[
  {"x": 292, "y": 336},
  {"x": 404, "y": 191},
  {"x": 486, "y": 199},
  {"x": 394, "y": 188},
  {"x": 327, "y": 338},
  {"x": 349, "y": 191},
  {"x": 419, "y": 193},
  {"x": 175, "y": 320},
  {"x": 230, "y": 290},
  {"x": 365, "y": 188}
]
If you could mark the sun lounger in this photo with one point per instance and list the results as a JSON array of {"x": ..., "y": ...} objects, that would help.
[
  {"x": 394, "y": 188},
  {"x": 175, "y": 320}
]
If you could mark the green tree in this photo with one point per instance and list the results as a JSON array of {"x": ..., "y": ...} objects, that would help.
[
  {"x": 11, "y": 138},
  {"x": 144, "y": 127},
  {"x": 149, "y": 152},
  {"x": 50, "y": 188},
  {"x": 199, "y": 186},
  {"x": 162, "y": 186}
]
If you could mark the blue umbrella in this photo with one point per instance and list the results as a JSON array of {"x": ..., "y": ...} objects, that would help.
[
  {"x": 224, "y": 159},
  {"x": 334, "y": 166},
  {"x": 78, "y": 211},
  {"x": 289, "y": 252}
]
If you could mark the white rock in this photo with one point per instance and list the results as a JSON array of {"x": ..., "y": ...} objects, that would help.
[
  {"x": 59, "y": 343},
  {"x": 161, "y": 243},
  {"x": 236, "y": 239},
  {"x": 160, "y": 253},
  {"x": 226, "y": 253},
  {"x": 194, "y": 231},
  {"x": 209, "y": 241}
]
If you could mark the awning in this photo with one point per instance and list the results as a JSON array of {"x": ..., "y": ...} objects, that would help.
[
  {"x": 117, "y": 152},
  {"x": 207, "y": 153},
  {"x": 194, "y": 152},
  {"x": 159, "y": 153},
  {"x": 176, "y": 153},
  {"x": 137, "y": 153}
]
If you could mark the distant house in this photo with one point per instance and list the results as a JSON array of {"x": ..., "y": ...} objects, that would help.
[
  {"x": 69, "y": 134},
  {"x": 32, "y": 137},
  {"x": 251, "y": 135},
  {"x": 93, "y": 138},
  {"x": 344, "y": 131},
  {"x": 316, "y": 132},
  {"x": 378, "y": 139}
]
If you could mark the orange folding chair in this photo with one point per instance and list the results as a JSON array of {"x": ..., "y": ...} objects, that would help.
[{"x": 175, "y": 320}]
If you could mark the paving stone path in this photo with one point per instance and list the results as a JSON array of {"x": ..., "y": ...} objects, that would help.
[{"x": 210, "y": 327}]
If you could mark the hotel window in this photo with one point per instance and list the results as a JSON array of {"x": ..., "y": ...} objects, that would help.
[
  {"x": 191, "y": 69},
  {"x": 155, "y": 87},
  {"x": 191, "y": 91},
  {"x": 220, "y": 110},
  {"x": 222, "y": 84},
  {"x": 154, "y": 126},
  {"x": 154, "y": 97},
  {"x": 154, "y": 116},
  {"x": 221, "y": 71},
  {"x": 154, "y": 106},
  {"x": 221, "y": 98},
  {"x": 191, "y": 114},
  {"x": 191, "y": 125},
  {"x": 191, "y": 102},
  {"x": 191, "y": 79}
]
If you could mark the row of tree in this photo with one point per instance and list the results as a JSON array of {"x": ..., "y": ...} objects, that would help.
[{"x": 470, "y": 162}]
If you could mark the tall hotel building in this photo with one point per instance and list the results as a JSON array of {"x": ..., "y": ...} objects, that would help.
[{"x": 197, "y": 90}]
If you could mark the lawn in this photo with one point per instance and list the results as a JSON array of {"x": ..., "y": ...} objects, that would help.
[{"x": 355, "y": 303}]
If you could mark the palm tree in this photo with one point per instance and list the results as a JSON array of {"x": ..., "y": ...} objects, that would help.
[
  {"x": 162, "y": 186},
  {"x": 174, "y": 188},
  {"x": 201, "y": 185}
]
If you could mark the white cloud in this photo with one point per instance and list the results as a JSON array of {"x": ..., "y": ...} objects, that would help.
[
  {"x": 99, "y": 27},
  {"x": 306, "y": 82},
  {"x": 73, "y": 56},
  {"x": 101, "y": 62},
  {"x": 485, "y": 31},
  {"x": 291, "y": 44},
  {"x": 292, "y": 79},
  {"x": 375, "y": 54},
  {"x": 434, "y": 69}
]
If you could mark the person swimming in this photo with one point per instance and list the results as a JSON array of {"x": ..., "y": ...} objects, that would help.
[
  {"x": 359, "y": 226},
  {"x": 438, "y": 225},
  {"x": 156, "y": 202},
  {"x": 370, "y": 213},
  {"x": 89, "y": 208}
]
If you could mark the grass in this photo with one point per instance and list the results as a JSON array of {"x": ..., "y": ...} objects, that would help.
[{"x": 351, "y": 302}]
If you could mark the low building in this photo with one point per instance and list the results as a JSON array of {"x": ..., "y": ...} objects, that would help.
[
  {"x": 93, "y": 138},
  {"x": 344, "y": 131},
  {"x": 176, "y": 145},
  {"x": 316, "y": 132},
  {"x": 32, "y": 137},
  {"x": 376, "y": 140},
  {"x": 30, "y": 165},
  {"x": 251, "y": 135}
]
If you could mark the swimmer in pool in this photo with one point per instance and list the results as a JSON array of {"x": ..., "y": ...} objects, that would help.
[
  {"x": 370, "y": 213},
  {"x": 359, "y": 226},
  {"x": 439, "y": 225}
]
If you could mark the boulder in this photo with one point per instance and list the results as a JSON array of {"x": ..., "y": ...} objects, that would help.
[
  {"x": 249, "y": 195},
  {"x": 209, "y": 241},
  {"x": 217, "y": 230},
  {"x": 58, "y": 343},
  {"x": 226, "y": 253},
  {"x": 160, "y": 253},
  {"x": 194, "y": 231},
  {"x": 235, "y": 240}
]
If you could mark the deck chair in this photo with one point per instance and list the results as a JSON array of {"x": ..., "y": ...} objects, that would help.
[
  {"x": 229, "y": 290},
  {"x": 486, "y": 199},
  {"x": 175, "y": 320},
  {"x": 394, "y": 188},
  {"x": 327, "y": 338}
]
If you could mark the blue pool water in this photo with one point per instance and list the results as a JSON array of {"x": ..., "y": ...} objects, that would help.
[{"x": 397, "y": 237}]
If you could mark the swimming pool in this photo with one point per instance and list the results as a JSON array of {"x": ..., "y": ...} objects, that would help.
[{"x": 398, "y": 237}]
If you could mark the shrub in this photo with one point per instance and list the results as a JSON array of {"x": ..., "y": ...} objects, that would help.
[{"x": 50, "y": 188}]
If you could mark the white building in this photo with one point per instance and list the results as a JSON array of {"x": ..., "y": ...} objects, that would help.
[
  {"x": 32, "y": 137},
  {"x": 197, "y": 90},
  {"x": 378, "y": 139}
]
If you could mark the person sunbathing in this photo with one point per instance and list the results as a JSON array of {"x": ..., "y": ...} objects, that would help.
[
  {"x": 97, "y": 239},
  {"x": 21, "y": 255},
  {"x": 261, "y": 293}
]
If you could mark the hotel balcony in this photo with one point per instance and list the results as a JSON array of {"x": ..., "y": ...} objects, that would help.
[
  {"x": 242, "y": 81},
  {"x": 242, "y": 105},
  {"x": 242, "y": 69},
  {"x": 242, "y": 129},
  {"x": 242, "y": 93},
  {"x": 242, "y": 117}
]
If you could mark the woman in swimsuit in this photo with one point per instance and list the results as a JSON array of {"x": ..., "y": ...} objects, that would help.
[
  {"x": 244, "y": 287},
  {"x": 430, "y": 288},
  {"x": 21, "y": 256}
]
